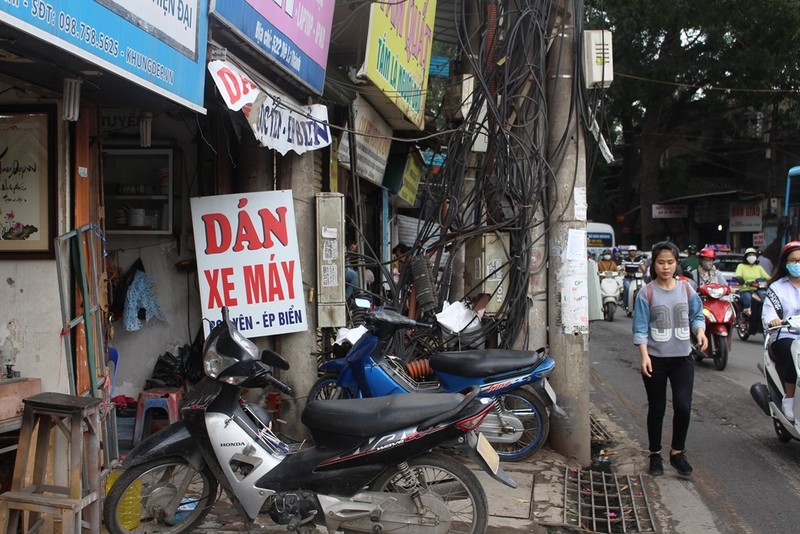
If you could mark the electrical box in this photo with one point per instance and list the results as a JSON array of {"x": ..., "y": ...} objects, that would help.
[
  {"x": 331, "y": 308},
  {"x": 486, "y": 268},
  {"x": 598, "y": 59}
]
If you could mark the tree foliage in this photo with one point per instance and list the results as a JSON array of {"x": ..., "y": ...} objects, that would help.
[{"x": 686, "y": 73}]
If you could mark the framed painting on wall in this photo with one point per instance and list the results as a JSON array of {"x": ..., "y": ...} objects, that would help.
[{"x": 27, "y": 182}]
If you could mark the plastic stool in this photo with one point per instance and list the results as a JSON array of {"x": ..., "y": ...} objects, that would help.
[
  {"x": 168, "y": 399},
  {"x": 39, "y": 503}
]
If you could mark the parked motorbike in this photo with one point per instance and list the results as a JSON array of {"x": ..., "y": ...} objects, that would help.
[
  {"x": 610, "y": 291},
  {"x": 637, "y": 281},
  {"x": 720, "y": 317},
  {"x": 747, "y": 323},
  {"x": 519, "y": 423},
  {"x": 769, "y": 395},
  {"x": 372, "y": 469}
]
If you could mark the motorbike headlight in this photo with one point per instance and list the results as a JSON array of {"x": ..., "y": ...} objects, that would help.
[
  {"x": 214, "y": 363},
  {"x": 707, "y": 313},
  {"x": 730, "y": 315},
  {"x": 716, "y": 292}
]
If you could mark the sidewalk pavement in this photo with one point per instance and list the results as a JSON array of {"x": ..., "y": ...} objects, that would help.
[{"x": 616, "y": 495}]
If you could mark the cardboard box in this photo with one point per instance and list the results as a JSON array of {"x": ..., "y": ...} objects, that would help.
[{"x": 12, "y": 391}]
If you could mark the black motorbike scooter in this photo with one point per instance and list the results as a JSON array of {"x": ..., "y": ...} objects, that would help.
[
  {"x": 748, "y": 321},
  {"x": 372, "y": 469}
]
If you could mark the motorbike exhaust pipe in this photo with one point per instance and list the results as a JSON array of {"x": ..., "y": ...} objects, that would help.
[{"x": 760, "y": 394}]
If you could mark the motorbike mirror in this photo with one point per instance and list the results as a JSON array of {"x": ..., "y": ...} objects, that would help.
[
  {"x": 361, "y": 302},
  {"x": 273, "y": 359}
]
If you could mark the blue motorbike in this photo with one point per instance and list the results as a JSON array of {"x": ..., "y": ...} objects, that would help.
[{"x": 517, "y": 427}]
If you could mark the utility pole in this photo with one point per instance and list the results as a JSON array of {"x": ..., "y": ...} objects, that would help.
[{"x": 568, "y": 310}]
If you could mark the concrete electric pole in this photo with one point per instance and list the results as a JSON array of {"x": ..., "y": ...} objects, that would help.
[{"x": 568, "y": 320}]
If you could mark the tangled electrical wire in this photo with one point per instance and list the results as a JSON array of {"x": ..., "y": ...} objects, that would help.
[{"x": 501, "y": 159}]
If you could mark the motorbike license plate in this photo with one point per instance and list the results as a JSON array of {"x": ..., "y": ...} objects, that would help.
[{"x": 488, "y": 453}]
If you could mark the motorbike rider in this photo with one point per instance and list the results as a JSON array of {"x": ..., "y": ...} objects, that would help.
[
  {"x": 783, "y": 300},
  {"x": 765, "y": 262},
  {"x": 749, "y": 271},
  {"x": 706, "y": 272},
  {"x": 692, "y": 261},
  {"x": 631, "y": 264},
  {"x": 606, "y": 263}
]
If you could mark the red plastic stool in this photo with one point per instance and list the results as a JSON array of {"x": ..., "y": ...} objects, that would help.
[{"x": 168, "y": 399}]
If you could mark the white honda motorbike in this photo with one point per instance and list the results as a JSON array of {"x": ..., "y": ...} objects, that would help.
[
  {"x": 636, "y": 284},
  {"x": 769, "y": 396},
  {"x": 610, "y": 291}
]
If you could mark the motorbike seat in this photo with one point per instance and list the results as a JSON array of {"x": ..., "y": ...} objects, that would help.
[
  {"x": 367, "y": 417},
  {"x": 483, "y": 363}
]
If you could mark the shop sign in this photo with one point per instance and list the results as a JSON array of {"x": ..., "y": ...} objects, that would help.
[
  {"x": 745, "y": 217},
  {"x": 294, "y": 34},
  {"x": 373, "y": 140},
  {"x": 278, "y": 122},
  {"x": 411, "y": 177},
  {"x": 670, "y": 211},
  {"x": 248, "y": 260},
  {"x": 399, "y": 52},
  {"x": 758, "y": 240},
  {"x": 160, "y": 45}
]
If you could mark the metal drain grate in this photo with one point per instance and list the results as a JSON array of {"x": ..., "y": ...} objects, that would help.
[
  {"x": 605, "y": 502},
  {"x": 600, "y": 435}
]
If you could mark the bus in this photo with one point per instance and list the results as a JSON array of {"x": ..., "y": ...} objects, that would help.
[{"x": 599, "y": 236}]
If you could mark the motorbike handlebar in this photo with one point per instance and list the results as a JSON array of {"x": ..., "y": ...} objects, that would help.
[{"x": 277, "y": 384}]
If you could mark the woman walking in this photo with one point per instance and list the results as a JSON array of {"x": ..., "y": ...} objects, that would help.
[{"x": 667, "y": 310}]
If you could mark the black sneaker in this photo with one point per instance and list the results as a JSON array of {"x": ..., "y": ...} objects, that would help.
[
  {"x": 681, "y": 465},
  {"x": 656, "y": 467}
]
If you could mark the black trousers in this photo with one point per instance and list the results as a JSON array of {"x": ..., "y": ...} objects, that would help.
[
  {"x": 782, "y": 356},
  {"x": 680, "y": 374}
]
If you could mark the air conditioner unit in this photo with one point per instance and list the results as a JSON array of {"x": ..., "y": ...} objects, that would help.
[{"x": 598, "y": 59}]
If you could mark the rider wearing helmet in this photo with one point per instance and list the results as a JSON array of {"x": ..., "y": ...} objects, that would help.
[
  {"x": 692, "y": 262},
  {"x": 606, "y": 263},
  {"x": 783, "y": 301},
  {"x": 706, "y": 272},
  {"x": 749, "y": 271}
]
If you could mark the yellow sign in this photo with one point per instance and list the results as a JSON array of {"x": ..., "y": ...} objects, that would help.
[
  {"x": 399, "y": 52},
  {"x": 411, "y": 176}
]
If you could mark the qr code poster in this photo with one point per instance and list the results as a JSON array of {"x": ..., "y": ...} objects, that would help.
[
  {"x": 329, "y": 250},
  {"x": 330, "y": 275}
]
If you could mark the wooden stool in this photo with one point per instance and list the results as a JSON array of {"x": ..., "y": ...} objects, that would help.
[
  {"x": 168, "y": 399},
  {"x": 38, "y": 503}
]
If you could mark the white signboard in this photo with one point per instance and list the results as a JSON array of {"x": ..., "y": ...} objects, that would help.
[
  {"x": 745, "y": 217},
  {"x": 373, "y": 140},
  {"x": 277, "y": 120},
  {"x": 670, "y": 211},
  {"x": 248, "y": 260}
]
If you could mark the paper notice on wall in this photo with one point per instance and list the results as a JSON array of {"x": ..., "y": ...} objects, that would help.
[
  {"x": 579, "y": 199},
  {"x": 576, "y": 246},
  {"x": 575, "y": 305}
]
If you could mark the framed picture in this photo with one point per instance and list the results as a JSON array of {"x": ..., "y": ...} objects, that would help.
[{"x": 27, "y": 182}]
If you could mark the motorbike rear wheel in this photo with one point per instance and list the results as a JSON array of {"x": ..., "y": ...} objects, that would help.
[
  {"x": 720, "y": 352},
  {"x": 449, "y": 480},
  {"x": 143, "y": 498},
  {"x": 531, "y": 410}
]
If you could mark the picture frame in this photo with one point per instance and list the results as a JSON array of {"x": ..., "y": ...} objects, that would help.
[{"x": 27, "y": 182}]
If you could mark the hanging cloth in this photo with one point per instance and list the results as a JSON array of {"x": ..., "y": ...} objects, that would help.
[{"x": 140, "y": 303}]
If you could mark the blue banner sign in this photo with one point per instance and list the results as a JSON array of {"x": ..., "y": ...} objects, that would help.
[{"x": 159, "y": 44}]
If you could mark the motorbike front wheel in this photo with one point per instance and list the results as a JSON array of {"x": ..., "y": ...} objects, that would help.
[
  {"x": 609, "y": 308},
  {"x": 742, "y": 326},
  {"x": 166, "y": 495},
  {"x": 531, "y": 410},
  {"x": 447, "y": 479},
  {"x": 720, "y": 352},
  {"x": 326, "y": 388}
]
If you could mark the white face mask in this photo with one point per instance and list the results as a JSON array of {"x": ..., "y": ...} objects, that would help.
[
  {"x": 751, "y": 259},
  {"x": 606, "y": 257}
]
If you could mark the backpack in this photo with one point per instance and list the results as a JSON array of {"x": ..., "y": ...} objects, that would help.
[{"x": 649, "y": 289}]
